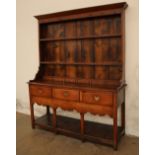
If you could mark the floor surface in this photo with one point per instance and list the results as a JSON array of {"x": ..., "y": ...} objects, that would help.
[{"x": 40, "y": 142}]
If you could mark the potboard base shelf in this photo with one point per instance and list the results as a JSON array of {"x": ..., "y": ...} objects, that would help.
[{"x": 94, "y": 132}]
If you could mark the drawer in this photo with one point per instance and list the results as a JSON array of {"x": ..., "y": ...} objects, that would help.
[
  {"x": 104, "y": 98},
  {"x": 42, "y": 91},
  {"x": 66, "y": 94}
]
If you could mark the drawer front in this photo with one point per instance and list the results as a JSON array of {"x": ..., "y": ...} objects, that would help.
[
  {"x": 104, "y": 98},
  {"x": 66, "y": 94},
  {"x": 42, "y": 91}
]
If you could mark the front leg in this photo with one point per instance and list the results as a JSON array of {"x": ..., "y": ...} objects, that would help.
[
  {"x": 32, "y": 115},
  {"x": 47, "y": 110},
  {"x": 115, "y": 128}
]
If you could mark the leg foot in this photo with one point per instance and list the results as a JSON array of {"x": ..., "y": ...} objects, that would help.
[
  {"x": 33, "y": 126},
  {"x": 115, "y": 147}
]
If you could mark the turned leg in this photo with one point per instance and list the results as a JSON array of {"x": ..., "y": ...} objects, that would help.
[
  {"x": 123, "y": 117},
  {"x": 32, "y": 115},
  {"x": 82, "y": 126},
  {"x": 115, "y": 128},
  {"x": 54, "y": 119},
  {"x": 48, "y": 110}
]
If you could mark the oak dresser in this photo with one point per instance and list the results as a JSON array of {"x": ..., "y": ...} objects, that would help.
[{"x": 81, "y": 68}]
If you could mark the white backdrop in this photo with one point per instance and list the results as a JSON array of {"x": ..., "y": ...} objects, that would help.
[{"x": 27, "y": 53}]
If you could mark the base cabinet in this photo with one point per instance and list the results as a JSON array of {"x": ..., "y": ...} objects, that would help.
[{"x": 103, "y": 102}]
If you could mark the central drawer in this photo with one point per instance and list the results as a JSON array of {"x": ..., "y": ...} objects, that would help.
[
  {"x": 66, "y": 94},
  {"x": 97, "y": 97}
]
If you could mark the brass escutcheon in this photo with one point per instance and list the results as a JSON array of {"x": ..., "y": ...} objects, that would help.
[{"x": 96, "y": 98}]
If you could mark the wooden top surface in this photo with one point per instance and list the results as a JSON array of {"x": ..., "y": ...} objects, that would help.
[{"x": 78, "y": 86}]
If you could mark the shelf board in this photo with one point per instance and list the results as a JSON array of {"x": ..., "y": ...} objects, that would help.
[
  {"x": 82, "y": 37},
  {"x": 83, "y": 63}
]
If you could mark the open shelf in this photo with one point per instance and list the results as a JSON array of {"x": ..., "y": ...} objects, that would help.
[{"x": 100, "y": 133}]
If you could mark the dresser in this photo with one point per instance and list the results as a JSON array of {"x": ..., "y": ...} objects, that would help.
[{"x": 81, "y": 68}]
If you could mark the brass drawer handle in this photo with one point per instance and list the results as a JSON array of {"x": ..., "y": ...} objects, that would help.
[
  {"x": 96, "y": 98},
  {"x": 66, "y": 94}
]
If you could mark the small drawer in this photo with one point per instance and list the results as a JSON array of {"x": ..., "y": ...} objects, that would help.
[
  {"x": 66, "y": 94},
  {"x": 104, "y": 98},
  {"x": 42, "y": 91}
]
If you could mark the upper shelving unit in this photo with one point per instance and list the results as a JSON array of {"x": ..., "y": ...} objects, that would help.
[{"x": 82, "y": 44}]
